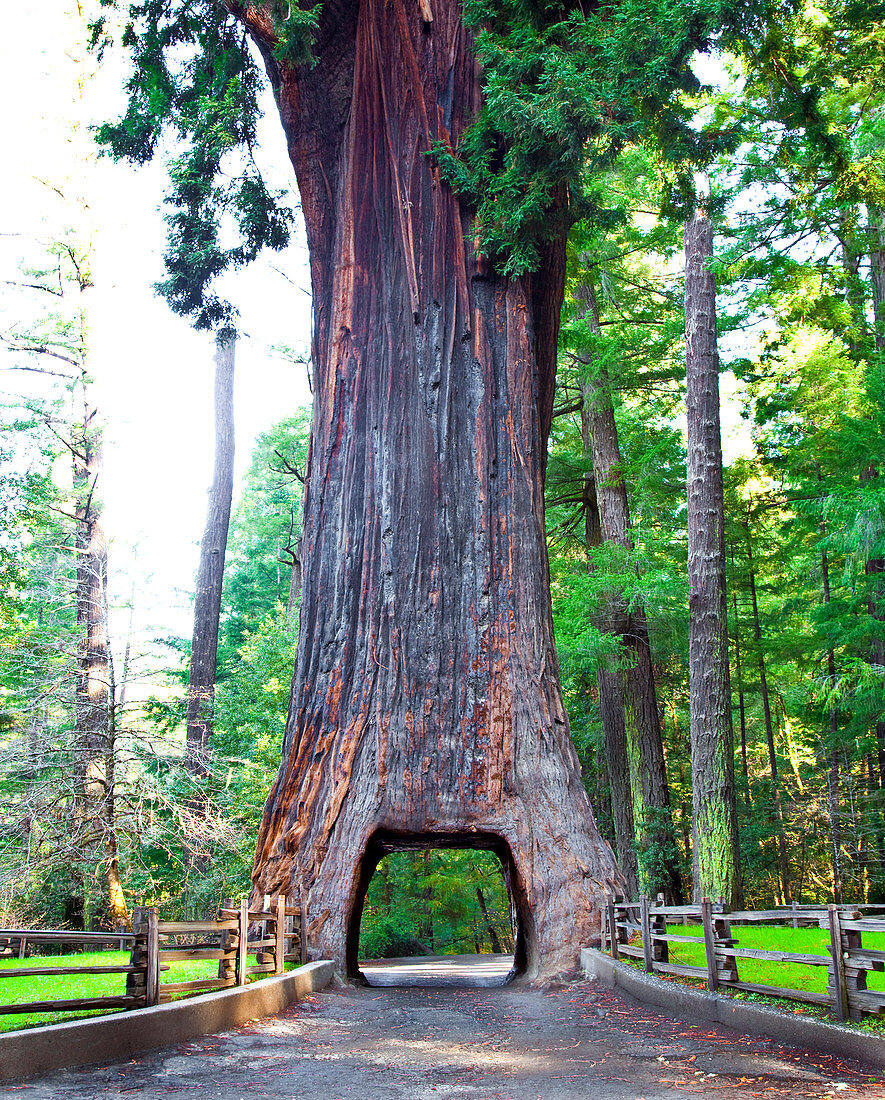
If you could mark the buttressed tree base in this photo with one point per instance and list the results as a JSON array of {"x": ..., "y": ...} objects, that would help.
[{"x": 426, "y": 706}]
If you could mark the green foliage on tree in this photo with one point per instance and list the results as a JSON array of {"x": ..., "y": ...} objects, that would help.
[{"x": 194, "y": 79}]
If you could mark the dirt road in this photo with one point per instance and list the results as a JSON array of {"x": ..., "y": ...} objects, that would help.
[{"x": 573, "y": 1042}]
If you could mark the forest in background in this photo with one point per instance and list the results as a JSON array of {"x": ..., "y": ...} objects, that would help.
[{"x": 100, "y": 809}]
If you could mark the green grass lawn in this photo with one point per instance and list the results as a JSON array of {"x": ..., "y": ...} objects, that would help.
[
  {"x": 70, "y": 986},
  {"x": 786, "y": 975},
  {"x": 807, "y": 941}
]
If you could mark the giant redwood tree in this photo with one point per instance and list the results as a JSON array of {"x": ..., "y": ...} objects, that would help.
[{"x": 439, "y": 156}]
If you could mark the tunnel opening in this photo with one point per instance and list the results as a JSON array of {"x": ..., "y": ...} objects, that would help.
[{"x": 437, "y": 909}]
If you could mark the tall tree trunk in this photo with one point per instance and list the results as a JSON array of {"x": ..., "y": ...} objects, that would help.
[
  {"x": 95, "y": 730},
  {"x": 610, "y": 687},
  {"x": 92, "y": 698},
  {"x": 493, "y": 935},
  {"x": 877, "y": 271},
  {"x": 742, "y": 709},
  {"x": 207, "y": 598},
  {"x": 426, "y": 706},
  {"x": 776, "y": 803},
  {"x": 832, "y": 748},
  {"x": 714, "y": 824},
  {"x": 652, "y": 816}
]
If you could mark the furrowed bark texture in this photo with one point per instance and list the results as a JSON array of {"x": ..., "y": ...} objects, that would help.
[
  {"x": 714, "y": 826},
  {"x": 426, "y": 702}
]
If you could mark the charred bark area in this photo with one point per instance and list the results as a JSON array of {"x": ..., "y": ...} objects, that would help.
[{"x": 426, "y": 697}]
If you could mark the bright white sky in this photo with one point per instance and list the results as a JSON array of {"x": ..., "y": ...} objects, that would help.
[{"x": 154, "y": 373}]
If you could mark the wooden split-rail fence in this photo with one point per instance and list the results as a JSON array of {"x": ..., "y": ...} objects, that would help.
[
  {"x": 271, "y": 933},
  {"x": 847, "y": 961}
]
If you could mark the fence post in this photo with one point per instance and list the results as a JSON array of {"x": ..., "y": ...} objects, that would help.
[
  {"x": 709, "y": 945},
  {"x": 303, "y": 934},
  {"x": 612, "y": 927},
  {"x": 135, "y": 981},
  {"x": 660, "y": 949},
  {"x": 152, "y": 959},
  {"x": 645, "y": 928},
  {"x": 243, "y": 943},
  {"x": 280, "y": 936},
  {"x": 839, "y": 990},
  {"x": 225, "y": 969}
]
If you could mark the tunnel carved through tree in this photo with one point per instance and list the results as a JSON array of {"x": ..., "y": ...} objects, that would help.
[{"x": 426, "y": 696}]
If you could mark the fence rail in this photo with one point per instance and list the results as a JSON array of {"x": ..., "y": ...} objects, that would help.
[
  {"x": 271, "y": 932},
  {"x": 847, "y": 960}
]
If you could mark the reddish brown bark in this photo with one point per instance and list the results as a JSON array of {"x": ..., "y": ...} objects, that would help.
[{"x": 426, "y": 704}]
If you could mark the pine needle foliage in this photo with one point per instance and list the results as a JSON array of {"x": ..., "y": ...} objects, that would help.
[
  {"x": 565, "y": 90},
  {"x": 195, "y": 79}
]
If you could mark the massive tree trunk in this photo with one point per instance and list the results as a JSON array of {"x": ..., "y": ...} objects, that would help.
[
  {"x": 207, "y": 597},
  {"x": 426, "y": 705},
  {"x": 714, "y": 819}
]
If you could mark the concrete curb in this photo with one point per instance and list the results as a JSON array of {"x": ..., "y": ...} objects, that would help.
[
  {"x": 749, "y": 1019},
  {"x": 120, "y": 1035}
]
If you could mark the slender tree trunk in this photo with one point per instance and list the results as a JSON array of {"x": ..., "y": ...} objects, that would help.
[
  {"x": 92, "y": 699},
  {"x": 877, "y": 270},
  {"x": 776, "y": 802},
  {"x": 742, "y": 709},
  {"x": 714, "y": 827},
  {"x": 610, "y": 686},
  {"x": 207, "y": 598},
  {"x": 94, "y": 725},
  {"x": 493, "y": 935},
  {"x": 426, "y": 706},
  {"x": 652, "y": 815},
  {"x": 832, "y": 749}
]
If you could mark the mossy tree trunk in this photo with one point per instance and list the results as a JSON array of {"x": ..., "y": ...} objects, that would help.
[
  {"x": 426, "y": 701},
  {"x": 658, "y": 854},
  {"x": 714, "y": 817}
]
